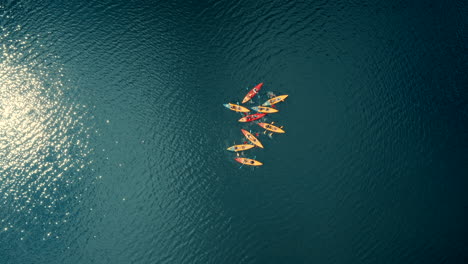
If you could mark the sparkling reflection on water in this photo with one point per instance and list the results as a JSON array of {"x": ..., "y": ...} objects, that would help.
[{"x": 42, "y": 150}]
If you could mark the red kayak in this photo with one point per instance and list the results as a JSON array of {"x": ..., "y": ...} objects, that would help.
[
  {"x": 252, "y": 117},
  {"x": 252, "y": 93}
]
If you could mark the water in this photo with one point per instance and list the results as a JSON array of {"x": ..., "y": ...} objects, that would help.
[{"x": 113, "y": 133}]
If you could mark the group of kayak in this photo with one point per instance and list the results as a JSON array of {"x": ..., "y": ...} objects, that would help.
[{"x": 261, "y": 111}]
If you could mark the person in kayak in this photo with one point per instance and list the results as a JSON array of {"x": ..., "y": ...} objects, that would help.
[{"x": 271, "y": 95}]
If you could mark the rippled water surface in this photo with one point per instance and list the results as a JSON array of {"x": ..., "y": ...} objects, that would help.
[{"x": 113, "y": 134}]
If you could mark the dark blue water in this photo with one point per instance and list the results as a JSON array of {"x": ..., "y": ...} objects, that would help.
[{"x": 113, "y": 134}]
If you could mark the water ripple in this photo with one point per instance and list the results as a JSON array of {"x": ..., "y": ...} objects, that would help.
[{"x": 41, "y": 139}]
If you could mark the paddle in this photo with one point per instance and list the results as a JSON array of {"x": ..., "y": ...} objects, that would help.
[{"x": 242, "y": 162}]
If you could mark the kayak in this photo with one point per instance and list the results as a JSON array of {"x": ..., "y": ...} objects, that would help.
[
  {"x": 236, "y": 108},
  {"x": 252, "y": 117},
  {"x": 264, "y": 109},
  {"x": 252, "y": 93},
  {"x": 271, "y": 128},
  {"x": 251, "y": 138},
  {"x": 242, "y": 147},
  {"x": 275, "y": 100},
  {"x": 250, "y": 162}
]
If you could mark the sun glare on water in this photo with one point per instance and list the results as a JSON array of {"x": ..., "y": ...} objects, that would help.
[{"x": 43, "y": 146}]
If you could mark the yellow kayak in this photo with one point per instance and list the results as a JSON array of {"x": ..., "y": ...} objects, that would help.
[
  {"x": 236, "y": 108},
  {"x": 264, "y": 109},
  {"x": 275, "y": 100},
  {"x": 251, "y": 138},
  {"x": 242, "y": 147},
  {"x": 271, "y": 128},
  {"x": 250, "y": 162}
]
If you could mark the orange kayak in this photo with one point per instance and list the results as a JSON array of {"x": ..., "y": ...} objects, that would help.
[
  {"x": 250, "y": 162},
  {"x": 242, "y": 147},
  {"x": 275, "y": 100},
  {"x": 236, "y": 108},
  {"x": 271, "y": 128},
  {"x": 252, "y": 93},
  {"x": 264, "y": 109},
  {"x": 251, "y": 138}
]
